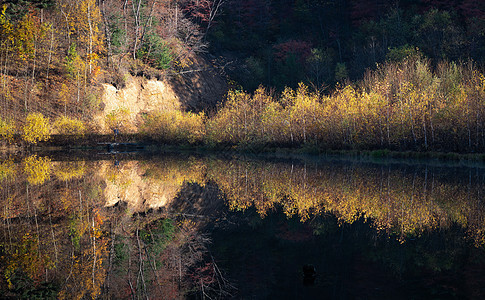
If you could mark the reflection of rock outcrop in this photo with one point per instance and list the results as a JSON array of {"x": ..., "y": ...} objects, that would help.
[
  {"x": 127, "y": 183},
  {"x": 58, "y": 241},
  {"x": 144, "y": 186}
]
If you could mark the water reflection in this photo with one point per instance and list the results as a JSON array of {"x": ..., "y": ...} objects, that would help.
[
  {"x": 142, "y": 228},
  {"x": 404, "y": 200}
]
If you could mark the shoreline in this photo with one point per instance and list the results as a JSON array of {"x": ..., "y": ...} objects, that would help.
[{"x": 136, "y": 145}]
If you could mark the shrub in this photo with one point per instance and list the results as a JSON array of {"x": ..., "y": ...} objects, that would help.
[
  {"x": 7, "y": 170},
  {"x": 174, "y": 125},
  {"x": 67, "y": 126},
  {"x": 36, "y": 128},
  {"x": 70, "y": 170},
  {"x": 114, "y": 120},
  {"x": 7, "y": 130},
  {"x": 37, "y": 169},
  {"x": 403, "y": 53}
]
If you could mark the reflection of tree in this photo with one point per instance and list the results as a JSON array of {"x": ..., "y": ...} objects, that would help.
[
  {"x": 7, "y": 169},
  {"x": 69, "y": 170},
  {"x": 162, "y": 259},
  {"x": 37, "y": 169},
  {"x": 406, "y": 202},
  {"x": 52, "y": 233},
  {"x": 57, "y": 236},
  {"x": 86, "y": 256}
]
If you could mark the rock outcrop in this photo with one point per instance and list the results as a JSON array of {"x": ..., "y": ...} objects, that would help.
[{"x": 200, "y": 88}]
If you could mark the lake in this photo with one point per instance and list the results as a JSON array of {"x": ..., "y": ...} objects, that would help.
[{"x": 194, "y": 226}]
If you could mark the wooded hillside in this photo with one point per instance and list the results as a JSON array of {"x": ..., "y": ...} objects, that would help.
[{"x": 54, "y": 55}]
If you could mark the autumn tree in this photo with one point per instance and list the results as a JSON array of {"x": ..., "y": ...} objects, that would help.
[{"x": 36, "y": 128}]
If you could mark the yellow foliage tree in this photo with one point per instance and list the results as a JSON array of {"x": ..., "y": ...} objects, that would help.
[
  {"x": 6, "y": 28},
  {"x": 70, "y": 170},
  {"x": 83, "y": 20},
  {"x": 174, "y": 125},
  {"x": 7, "y": 130},
  {"x": 36, "y": 128},
  {"x": 37, "y": 169},
  {"x": 7, "y": 170},
  {"x": 68, "y": 126}
]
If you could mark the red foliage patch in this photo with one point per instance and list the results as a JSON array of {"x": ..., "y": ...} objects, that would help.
[{"x": 301, "y": 49}]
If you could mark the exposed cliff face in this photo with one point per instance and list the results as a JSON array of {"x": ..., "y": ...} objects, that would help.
[
  {"x": 137, "y": 97},
  {"x": 197, "y": 90}
]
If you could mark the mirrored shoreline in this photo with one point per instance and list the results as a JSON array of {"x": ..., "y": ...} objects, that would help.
[{"x": 163, "y": 226}]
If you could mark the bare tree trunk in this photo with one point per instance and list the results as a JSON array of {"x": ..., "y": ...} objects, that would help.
[
  {"x": 125, "y": 18},
  {"x": 425, "y": 133},
  {"x": 412, "y": 126},
  {"x": 136, "y": 15},
  {"x": 388, "y": 120},
  {"x": 140, "y": 270},
  {"x": 53, "y": 237},
  {"x": 90, "y": 47},
  {"x": 107, "y": 33},
  {"x": 94, "y": 253},
  {"x": 26, "y": 90},
  {"x": 49, "y": 60},
  {"x": 32, "y": 84},
  {"x": 68, "y": 30},
  {"x": 216, "y": 5}
]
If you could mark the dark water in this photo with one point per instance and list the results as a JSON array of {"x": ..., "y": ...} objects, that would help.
[{"x": 197, "y": 227}]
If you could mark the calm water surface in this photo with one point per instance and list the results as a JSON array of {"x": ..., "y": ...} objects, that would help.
[{"x": 235, "y": 227}]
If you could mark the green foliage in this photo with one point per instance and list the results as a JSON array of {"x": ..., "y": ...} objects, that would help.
[
  {"x": 257, "y": 71},
  {"x": 438, "y": 35},
  {"x": 341, "y": 72},
  {"x": 403, "y": 53},
  {"x": 74, "y": 63},
  {"x": 289, "y": 71},
  {"x": 17, "y": 9},
  {"x": 118, "y": 34},
  {"x": 157, "y": 235},
  {"x": 121, "y": 251},
  {"x": 24, "y": 287},
  {"x": 74, "y": 232},
  {"x": 319, "y": 64},
  {"x": 156, "y": 52},
  {"x": 356, "y": 33},
  {"x": 36, "y": 128}
]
